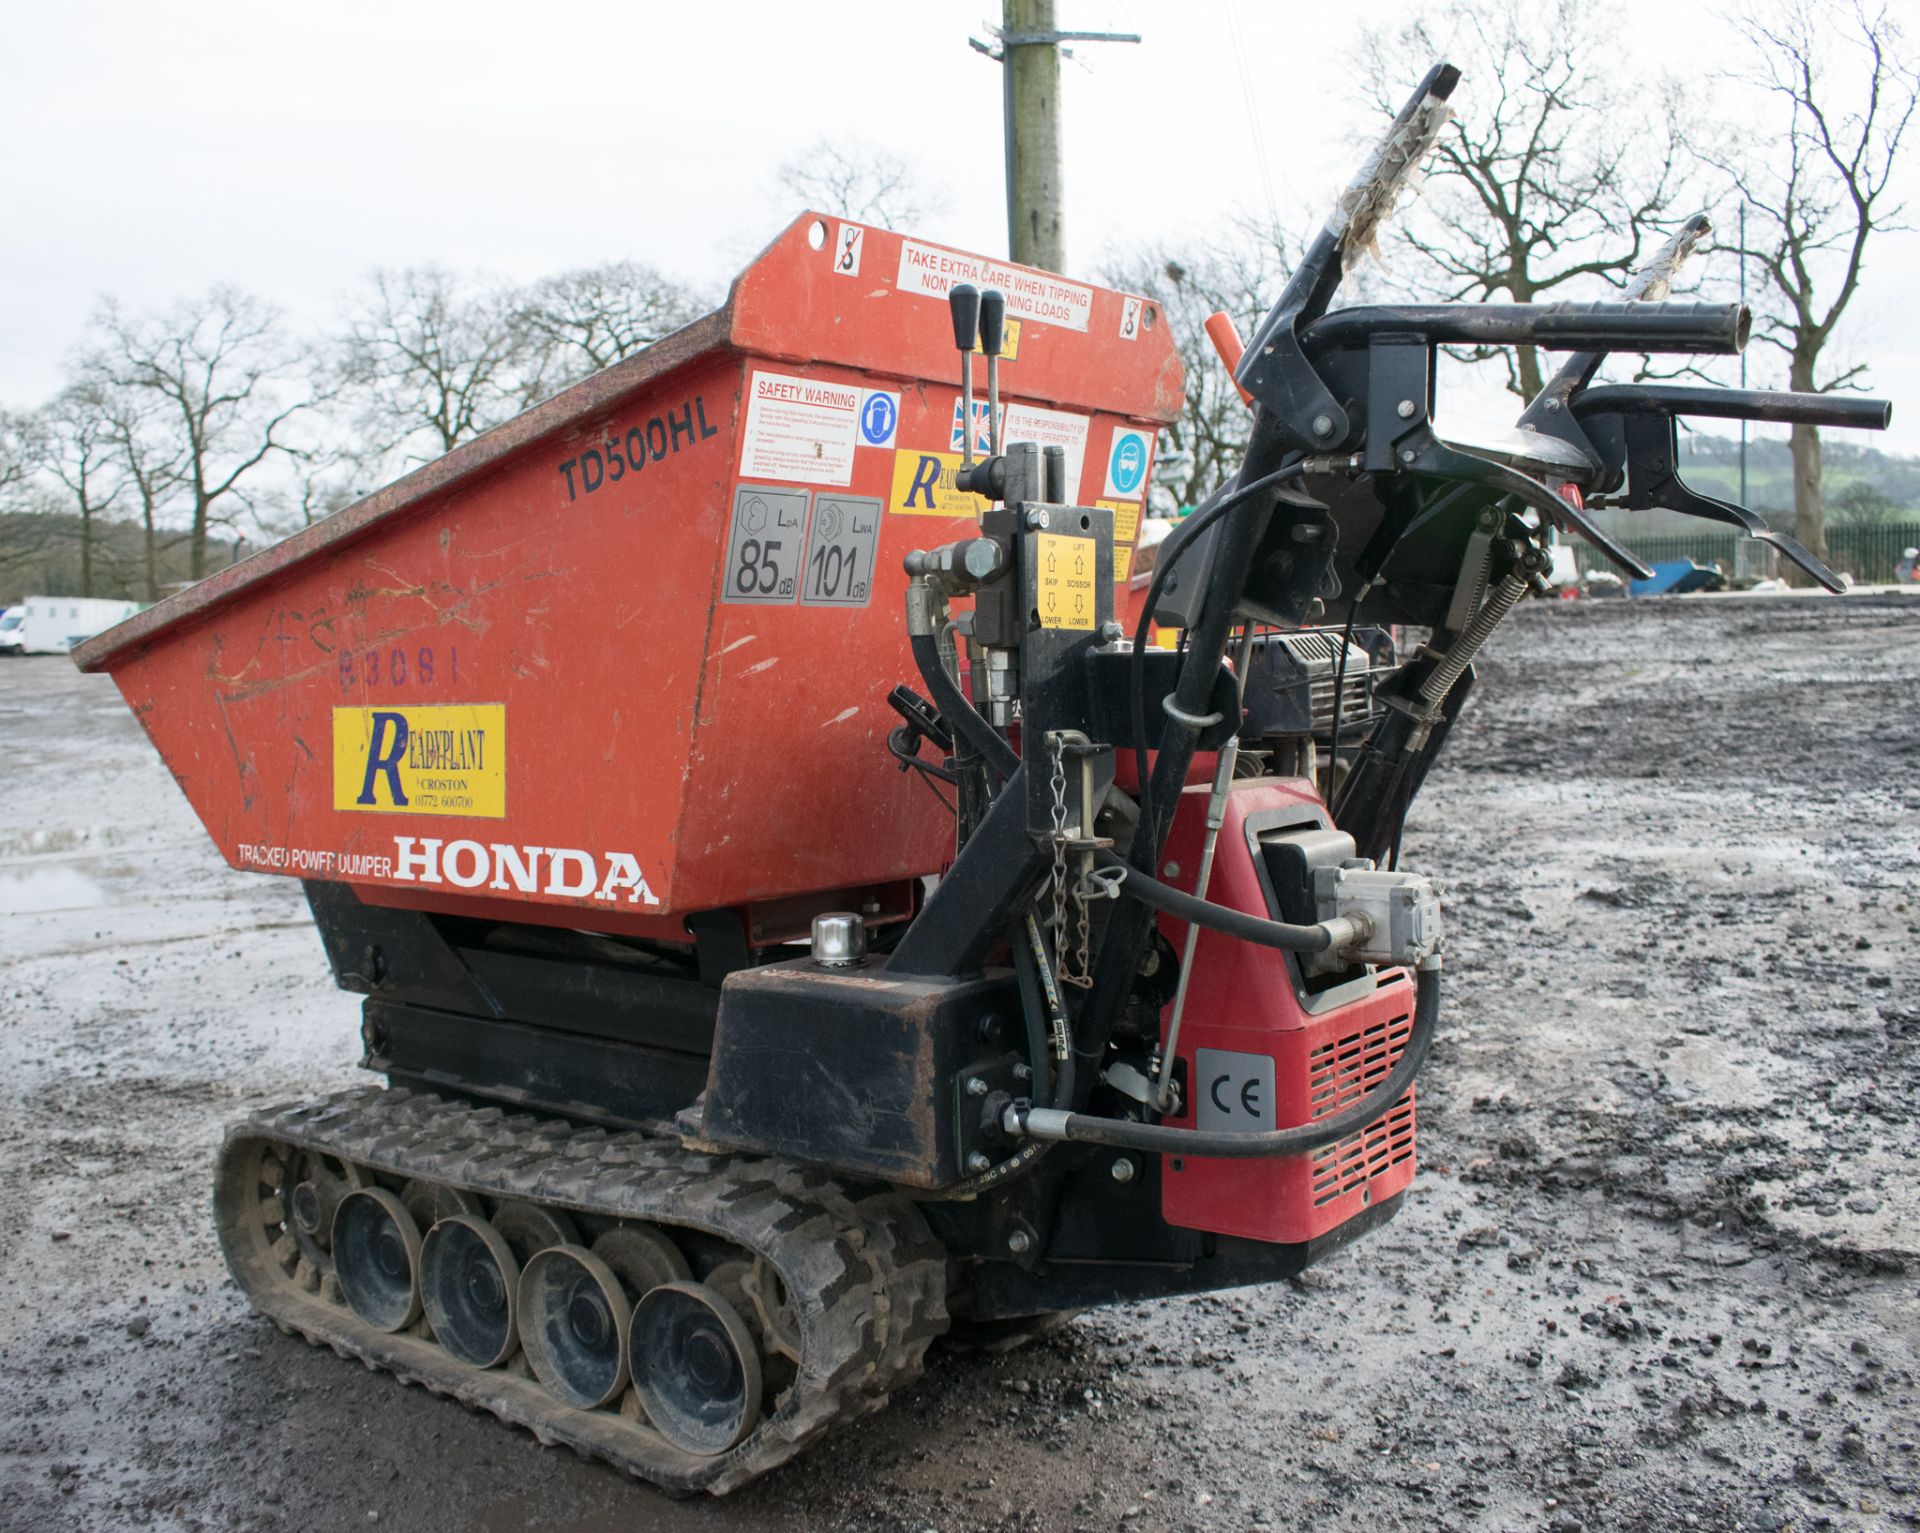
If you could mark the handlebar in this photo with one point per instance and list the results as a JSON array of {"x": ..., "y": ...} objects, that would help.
[
  {"x": 1718, "y": 329},
  {"x": 1735, "y": 404}
]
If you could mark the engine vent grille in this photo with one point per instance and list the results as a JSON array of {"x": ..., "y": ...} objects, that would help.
[{"x": 1340, "y": 1073}]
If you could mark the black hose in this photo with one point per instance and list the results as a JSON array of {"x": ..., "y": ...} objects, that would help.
[
  {"x": 1120, "y": 1134},
  {"x": 1233, "y": 923},
  {"x": 1042, "y": 1007},
  {"x": 957, "y": 711},
  {"x": 1176, "y": 544}
]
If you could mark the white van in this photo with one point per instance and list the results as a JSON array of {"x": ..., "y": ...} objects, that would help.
[
  {"x": 54, "y": 624},
  {"x": 12, "y": 622}
]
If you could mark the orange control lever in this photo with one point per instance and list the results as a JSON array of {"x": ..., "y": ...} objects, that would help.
[{"x": 1226, "y": 340}]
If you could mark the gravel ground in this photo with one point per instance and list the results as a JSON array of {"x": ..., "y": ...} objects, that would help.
[{"x": 1656, "y": 1272}]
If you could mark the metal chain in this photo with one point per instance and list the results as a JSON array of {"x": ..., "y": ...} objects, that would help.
[
  {"x": 1082, "y": 974},
  {"x": 1059, "y": 786}
]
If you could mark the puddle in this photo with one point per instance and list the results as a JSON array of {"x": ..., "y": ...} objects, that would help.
[{"x": 47, "y": 889}]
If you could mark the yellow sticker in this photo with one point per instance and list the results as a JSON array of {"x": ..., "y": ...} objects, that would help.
[
  {"x": 421, "y": 760},
  {"x": 1065, "y": 581},
  {"x": 1122, "y": 565},
  {"x": 1126, "y": 518},
  {"x": 923, "y": 486},
  {"x": 1009, "y": 343}
]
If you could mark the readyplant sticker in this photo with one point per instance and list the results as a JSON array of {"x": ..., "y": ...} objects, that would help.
[{"x": 446, "y": 760}]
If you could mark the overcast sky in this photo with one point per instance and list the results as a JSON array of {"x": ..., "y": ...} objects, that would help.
[{"x": 150, "y": 149}]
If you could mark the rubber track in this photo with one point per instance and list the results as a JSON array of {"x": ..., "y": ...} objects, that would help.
[{"x": 866, "y": 1279}]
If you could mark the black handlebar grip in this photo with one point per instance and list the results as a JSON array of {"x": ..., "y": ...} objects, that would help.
[
  {"x": 993, "y": 321},
  {"x": 964, "y": 301}
]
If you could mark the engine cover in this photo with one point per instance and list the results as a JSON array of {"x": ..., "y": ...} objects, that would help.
[{"x": 1265, "y": 1046}]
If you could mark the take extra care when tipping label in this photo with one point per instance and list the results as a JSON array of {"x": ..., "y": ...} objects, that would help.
[
  {"x": 440, "y": 760},
  {"x": 1063, "y": 584}
]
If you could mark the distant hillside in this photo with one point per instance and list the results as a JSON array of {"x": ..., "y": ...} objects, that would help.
[{"x": 1712, "y": 464}]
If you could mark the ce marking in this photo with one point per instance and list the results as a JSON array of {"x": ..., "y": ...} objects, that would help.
[
  {"x": 1249, "y": 1096},
  {"x": 1235, "y": 1091}
]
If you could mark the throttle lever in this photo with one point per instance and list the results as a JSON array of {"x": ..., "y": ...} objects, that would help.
[{"x": 1654, "y": 483}]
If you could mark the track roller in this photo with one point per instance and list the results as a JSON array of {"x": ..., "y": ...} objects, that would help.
[
  {"x": 574, "y": 1323},
  {"x": 696, "y": 1368},
  {"x": 469, "y": 1278},
  {"x": 376, "y": 1258}
]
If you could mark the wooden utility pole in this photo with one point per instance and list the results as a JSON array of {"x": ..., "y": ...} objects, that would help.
[
  {"x": 1036, "y": 220},
  {"x": 1029, "y": 59}
]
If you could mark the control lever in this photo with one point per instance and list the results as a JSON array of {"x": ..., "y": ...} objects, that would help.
[
  {"x": 1436, "y": 457},
  {"x": 964, "y": 302},
  {"x": 1654, "y": 482},
  {"x": 993, "y": 331},
  {"x": 919, "y": 721}
]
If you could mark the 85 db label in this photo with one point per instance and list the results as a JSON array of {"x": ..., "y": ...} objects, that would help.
[{"x": 765, "y": 545}]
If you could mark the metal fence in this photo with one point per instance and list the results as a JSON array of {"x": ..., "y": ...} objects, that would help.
[{"x": 1868, "y": 554}]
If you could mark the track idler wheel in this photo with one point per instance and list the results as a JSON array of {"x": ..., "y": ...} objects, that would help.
[
  {"x": 642, "y": 1258},
  {"x": 469, "y": 1278},
  {"x": 311, "y": 1190},
  {"x": 376, "y": 1258},
  {"x": 696, "y": 1368},
  {"x": 430, "y": 1202},
  {"x": 574, "y": 1323}
]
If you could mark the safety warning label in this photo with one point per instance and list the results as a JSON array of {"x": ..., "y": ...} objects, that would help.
[
  {"x": 800, "y": 430},
  {"x": 1050, "y": 428},
  {"x": 931, "y": 272},
  {"x": 1126, "y": 518},
  {"x": 1064, "y": 583}
]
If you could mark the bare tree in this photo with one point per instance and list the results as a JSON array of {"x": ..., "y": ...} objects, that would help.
[
  {"x": 1551, "y": 176},
  {"x": 1844, "y": 94},
  {"x": 1238, "y": 272},
  {"x": 578, "y": 322},
  {"x": 20, "y": 453},
  {"x": 222, "y": 379},
  {"x": 860, "y": 182},
  {"x": 151, "y": 458},
  {"x": 26, "y": 532},
  {"x": 78, "y": 451},
  {"x": 427, "y": 360}
]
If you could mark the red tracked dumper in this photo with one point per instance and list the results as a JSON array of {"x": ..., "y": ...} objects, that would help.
[{"x": 727, "y": 1064}]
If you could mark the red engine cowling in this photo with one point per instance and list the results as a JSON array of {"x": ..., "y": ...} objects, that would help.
[{"x": 1263, "y": 1047}]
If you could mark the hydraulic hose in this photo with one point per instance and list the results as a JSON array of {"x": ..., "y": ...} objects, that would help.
[
  {"x": 1045, "y": 1014},
  {"x": 1159, "y": 1138},
  {"x": 1232, "y": 923},
  {"x": 957, "y": 711}
]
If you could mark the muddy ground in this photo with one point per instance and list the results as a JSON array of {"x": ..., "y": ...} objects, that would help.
[{"x": 1658, "y": 1271}]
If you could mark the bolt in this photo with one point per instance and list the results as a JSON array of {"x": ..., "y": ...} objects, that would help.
[
  {"x": 1123, "y": 1171},
  {"x": 1111, "y": 631},
  {"x": 1019, "y": 1242},
  {"x": 1171, "y": 870},
  {"x": 1039, "y": 520},
  {"x": 1023, "y": 1072},
  {"x": 975, "y": 1086},
  {"x": 977, "y": 1162},
  {"x": 1405, "y": 409},
  {"x": 1407, "y": 455},
  {"x": 1553, "y": 407},
  {"x": 1323, "y": 425}
]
